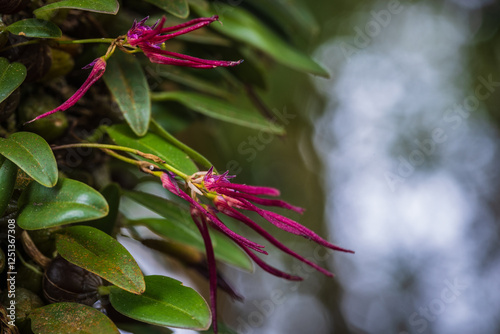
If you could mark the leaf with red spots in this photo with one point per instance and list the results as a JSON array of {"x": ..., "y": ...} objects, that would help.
[
  {"x": 70, "y": 318},
  {"x": 101, "y": 254}
]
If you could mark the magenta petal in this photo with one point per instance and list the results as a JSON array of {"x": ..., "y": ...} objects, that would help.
[
  {"x": 219, "y": 225},
  {"x": 95, "y": 74},
  {"x": 158, "y": 53},
  {"x": 241, "y": 217},
  {"x": 212, "y": 268},
  {"x": 159, "y": 59},
  {"x": 253, "y": 190},
  {"x": 191, "y": 25},
  {"x": 149, "y": 39},
  {"x": 305, "y": 232},
  {"x": 290, "y": 225},
  {"x": 194, "y": 22},
  {"x": 170, "y": 184},
  {"x": 270, "y": 269},
  {"x": 261, "y": 201}
]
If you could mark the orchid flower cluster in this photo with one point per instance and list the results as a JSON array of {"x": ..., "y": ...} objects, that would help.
[
  {"x": 229, "y": 198},
  {"x": 150, "y": 40}
]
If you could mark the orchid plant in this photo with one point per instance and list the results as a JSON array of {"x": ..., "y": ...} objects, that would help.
[{"x": 67, "y": 232}]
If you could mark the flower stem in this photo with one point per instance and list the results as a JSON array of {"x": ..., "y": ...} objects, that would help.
[
  {"x": 109, "y": 150},
  {"x": 87, "y": 41},
  {"x": 111, "y": 147},
  {"x": 77, "y": 41},
  {"x": 121, "y": 157}
]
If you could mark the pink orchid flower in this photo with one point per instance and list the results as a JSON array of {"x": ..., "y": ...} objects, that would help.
[{"x": 228, "y": 199}]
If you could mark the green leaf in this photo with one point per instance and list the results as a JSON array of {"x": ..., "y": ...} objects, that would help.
[
  {"x": 98, "y": 6},
  {"x": 292, "y": 16},
  {"x": 178, "y": 226},
  {"x": 69, "y": 201},
  {"x": 35, "y": 28},
  {"x": 32, "y": 154},
  {"x": 8, "y": 173},
  {"x": 128, "y": 85},
  {"x": 184, "y": 77},
  {"x": 152, "y": 144},
  {"x": 220, "y": 109},
  {"x": 101, "y": 254},
  {"x": 197, "y": 157},
  {"x": 11, "y": 77},
  {"x": 70, "y": 318},
  {"x": 177, "y": 8},
  {"x": 112, "y": 194},
  {"x": 244, "y": 27},
  {"x": 166, "y": 302}
]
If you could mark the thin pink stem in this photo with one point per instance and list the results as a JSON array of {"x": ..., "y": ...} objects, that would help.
[{"x": 212, "y": 266}]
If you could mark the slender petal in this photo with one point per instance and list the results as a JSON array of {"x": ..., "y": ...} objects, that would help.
[
  {"x": 239, "y": 196},
  {"x": 222, "y": 205},
  {"x": 217, "y": 182},
  {"x": 170, "y": 184},
  {"x": 212, "y": 268},
  {"x": 270, "y": 269},
  {"x": 258, "y": 200},
  {"x": 149, "y": 39},
  {"x": 99, "y": 66},
  {"x": 228, "y": 198},
  {"x": 159, "y": 53}
]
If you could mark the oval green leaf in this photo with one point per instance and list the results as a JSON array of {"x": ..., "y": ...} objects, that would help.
[
  {"x": 35, "y": 28},
  {"x": 32, "y": 154},
  {"x": 241, "y": 25},
  {"x": 69, "y": 201},
  {"x": 98, "y": 6},
  {"x": 101, "y": 254},
  {"x": 178, "y": 226},
  {"x": 152, "y": 144},
  {"x": 177, "y": 8},
  {"x": 11, "y": 77},
  {"x": 70, "y": 318},
  {"x": 166, "y": 302},
  {"x": 220, "y": 109},
  {"x": 8, "y": 173},
  {"x": 128, "y": 85}
]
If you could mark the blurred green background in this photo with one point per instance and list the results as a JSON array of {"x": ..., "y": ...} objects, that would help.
[{"x": 396, "y": 157}]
